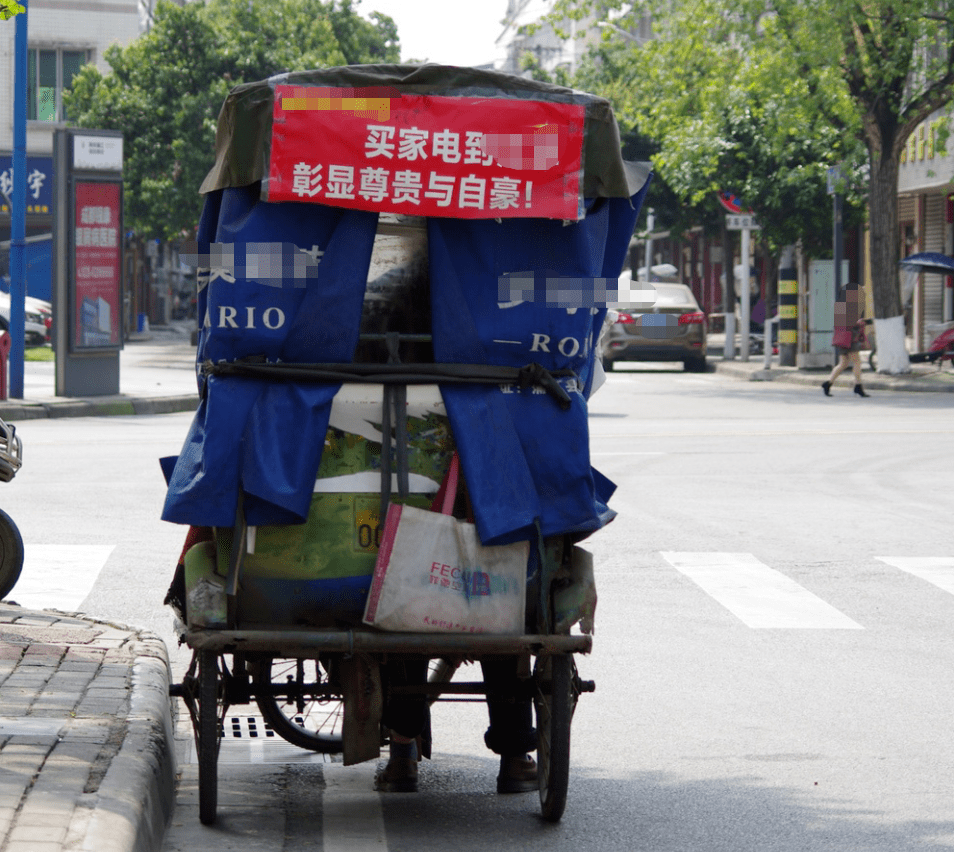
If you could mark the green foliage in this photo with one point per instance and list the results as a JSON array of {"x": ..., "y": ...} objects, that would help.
[
  {"x": 9, "y": 9},
  {"x": 728, "y": 111},
  {"x": 165, "y": 89}
]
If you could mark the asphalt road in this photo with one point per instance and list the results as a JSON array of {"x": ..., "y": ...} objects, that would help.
[{"x": 772, "y": 654}]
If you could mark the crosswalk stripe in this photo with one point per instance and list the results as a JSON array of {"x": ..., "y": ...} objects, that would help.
[
  {"x": 352, "y": 816},
  {"x": 59, "y": 576},
  {"x": 758, "y": 595},
  {"x": 938, "y": 570}
]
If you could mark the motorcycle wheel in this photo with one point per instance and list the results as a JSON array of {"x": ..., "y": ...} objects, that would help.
[{"x": 11, "y": 554}]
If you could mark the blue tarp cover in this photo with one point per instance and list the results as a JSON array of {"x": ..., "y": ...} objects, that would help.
[{"x": 525, "y": 459}]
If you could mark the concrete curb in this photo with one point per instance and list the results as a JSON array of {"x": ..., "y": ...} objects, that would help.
[
  {"x": 931, "y": 382},
  {"x": 15, "y": 411},
  {"x": 135, "y": 801}
]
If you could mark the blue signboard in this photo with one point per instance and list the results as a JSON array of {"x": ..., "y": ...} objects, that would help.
[{"x": 39, "y": 184}]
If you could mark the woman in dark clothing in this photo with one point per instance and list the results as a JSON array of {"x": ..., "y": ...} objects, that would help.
[{"x": 849, "y": 336}]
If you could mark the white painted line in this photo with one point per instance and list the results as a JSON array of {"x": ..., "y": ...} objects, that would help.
[
  {"x": 938, "y": 570},
  {"x": 352, "y": 817},
  {"x": 59, "y": 576},
  {"x": 760, "y": 596}
]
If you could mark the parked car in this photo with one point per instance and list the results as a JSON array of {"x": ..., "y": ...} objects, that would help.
[
  {"x": 673, "y": 329},
  {"x": 37, "y": 319}
]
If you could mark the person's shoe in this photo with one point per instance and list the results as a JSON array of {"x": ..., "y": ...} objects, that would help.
[
  {"x": 860, "y": 390},
  {"x": 518, "y": 774},
  {"x": 398, "y": 776},
  {"x": 826, "y": 387}
]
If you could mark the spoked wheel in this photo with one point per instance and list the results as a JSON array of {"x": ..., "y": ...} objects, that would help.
[
  {"x": 11, "y": 554},
  {"x": 555, "y": 701},
  {"x": 297, "y": 701},
  {"x": 208, "y": 728}
]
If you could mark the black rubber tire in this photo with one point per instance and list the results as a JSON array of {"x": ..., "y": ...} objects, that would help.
[
  {"x": 695, "y": 365},
  {"x": 608, "y": 365},
  {"x": 11, "y": 554},
  {"x": 873, "y": 360},
  {"x": 208, "y": 736},
  {"x": 317, "y": 727},
  {"x": 555, "y": 701}
]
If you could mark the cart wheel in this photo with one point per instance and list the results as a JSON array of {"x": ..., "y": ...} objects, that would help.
[
  {"x": 207, "y": 735},
  {"x": 555, "y": 702},
  {"x": 11, "y": 554},
  {"x": 305, "y": 715}
]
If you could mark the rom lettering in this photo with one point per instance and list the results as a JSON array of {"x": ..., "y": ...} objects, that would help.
[{"x": 567, "y": 347}]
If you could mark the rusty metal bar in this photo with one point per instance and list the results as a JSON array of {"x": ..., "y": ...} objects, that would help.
[{"x": 302, "y": 643}]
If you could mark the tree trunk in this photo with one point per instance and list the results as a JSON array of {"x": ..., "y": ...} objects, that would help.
[{"x": 883, "y": 222}]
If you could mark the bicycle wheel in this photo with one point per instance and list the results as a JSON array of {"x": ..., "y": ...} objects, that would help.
[
  {"x": 304, "y": 713},
  {"x": 207, "y": 736},
  {"x": 11, "y": 554},
  {"x": 555, "y": 701}
]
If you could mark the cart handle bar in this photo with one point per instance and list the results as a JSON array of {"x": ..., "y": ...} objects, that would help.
[
  {"x": 302, "y": 643},
  {"x": 404, "y": 374}
]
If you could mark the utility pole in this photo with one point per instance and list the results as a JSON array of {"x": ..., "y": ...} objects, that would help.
[{"x": 18, "y": 207}]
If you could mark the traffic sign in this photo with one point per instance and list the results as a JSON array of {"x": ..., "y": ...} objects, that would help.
[{"x": 741, "y": 223}]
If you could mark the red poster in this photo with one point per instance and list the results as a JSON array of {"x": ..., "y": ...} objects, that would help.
[
  {"x": 97, "y": 239},
  {"x": 424, "y": 155}
]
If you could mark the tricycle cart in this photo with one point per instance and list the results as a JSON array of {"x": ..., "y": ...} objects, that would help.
[{"x": 336, "y": 378}]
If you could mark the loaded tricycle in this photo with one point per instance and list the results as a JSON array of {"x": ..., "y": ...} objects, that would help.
[{"x": 403, "y": 272}]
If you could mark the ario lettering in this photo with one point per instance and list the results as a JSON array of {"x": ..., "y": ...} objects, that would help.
[{"x": 249, "y": 317}]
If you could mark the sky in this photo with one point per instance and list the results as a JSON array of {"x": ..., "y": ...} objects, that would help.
[{"x": 450, "y": 32}]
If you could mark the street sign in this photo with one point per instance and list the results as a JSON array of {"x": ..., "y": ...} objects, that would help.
[{"x": 741, "y": 222}]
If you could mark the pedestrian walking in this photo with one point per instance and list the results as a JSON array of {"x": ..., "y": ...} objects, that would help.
[{"x": 849, "y": 336}]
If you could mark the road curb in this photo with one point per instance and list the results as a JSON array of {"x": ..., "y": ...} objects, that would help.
[
  {"x": 14, "y": 412},
  {"x": 136, "y": 799}
]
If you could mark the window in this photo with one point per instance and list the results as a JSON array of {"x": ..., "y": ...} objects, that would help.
[{"x": 50, "y": 71}]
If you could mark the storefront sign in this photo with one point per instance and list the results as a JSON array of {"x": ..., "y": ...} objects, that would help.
[
  {"x": 39, "y": 184},
  {"x": 97, "y": 239},
  {"x": 471, "y": 158}
]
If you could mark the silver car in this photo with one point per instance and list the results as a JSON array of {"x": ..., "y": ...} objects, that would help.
[{"x": 673, "y": 329}]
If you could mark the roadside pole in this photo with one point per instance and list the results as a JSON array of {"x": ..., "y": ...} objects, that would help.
[
  {"x": 18, "y": 208},
  {"x": 744, "y": 223}
]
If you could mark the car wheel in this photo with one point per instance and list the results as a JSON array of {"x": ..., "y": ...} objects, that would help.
[
  {"x": 608, "y": 365},
  {"x": 695, "y": 365}
]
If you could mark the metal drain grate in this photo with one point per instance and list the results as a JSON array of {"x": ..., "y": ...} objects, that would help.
[{"x": 249, "y": 739}]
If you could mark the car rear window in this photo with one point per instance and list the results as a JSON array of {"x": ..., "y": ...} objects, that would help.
[{"x": 669, "y": 295}]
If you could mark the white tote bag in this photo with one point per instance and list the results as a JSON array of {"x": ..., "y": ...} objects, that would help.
[{"x": 433, "y": 575}]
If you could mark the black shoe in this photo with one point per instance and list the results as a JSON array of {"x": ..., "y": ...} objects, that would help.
[
  {"x": 399, "y": 776},
  {"x": 860, "y": 390},
  {"x": 518, "y": 774},
  {"x": 826, "y": 387}
]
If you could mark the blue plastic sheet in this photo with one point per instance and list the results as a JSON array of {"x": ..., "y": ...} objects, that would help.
[
  {"x": 265, "y": 439},
  {"x": 525, "y": 459}
]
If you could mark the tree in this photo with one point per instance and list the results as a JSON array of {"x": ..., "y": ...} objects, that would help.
[
  {"x": 165, "y": 89},
  {"x": 895, "y": 59},
  {"x": 826, "y": 76},
  {"x": 9, "y": 9}
]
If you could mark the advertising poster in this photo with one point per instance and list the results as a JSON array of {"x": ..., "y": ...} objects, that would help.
[
  {"x": 426, "y": 155},
  {"x": 97, "y": 237}
]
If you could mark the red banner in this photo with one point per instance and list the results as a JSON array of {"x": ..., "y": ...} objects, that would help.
[
  {"x": 97, "y": 240},
  {"x": 424, "y": 155}
]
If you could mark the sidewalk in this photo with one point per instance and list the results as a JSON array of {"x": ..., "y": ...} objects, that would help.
[
  {"x": 923, "y": 377},
  {"x": 156, "y": 376},
  {"x": 86, "y": 738}
]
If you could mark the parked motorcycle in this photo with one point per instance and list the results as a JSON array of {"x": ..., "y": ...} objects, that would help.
[{"x": 11, "y": 544}]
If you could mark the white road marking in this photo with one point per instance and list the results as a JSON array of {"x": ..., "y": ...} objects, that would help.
[
  {"x": 352, "y": 817},
  {"x": 59, "y": 576},
  {"x": 938, "y": 570},
  {"x": 760, "y": 596}
]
